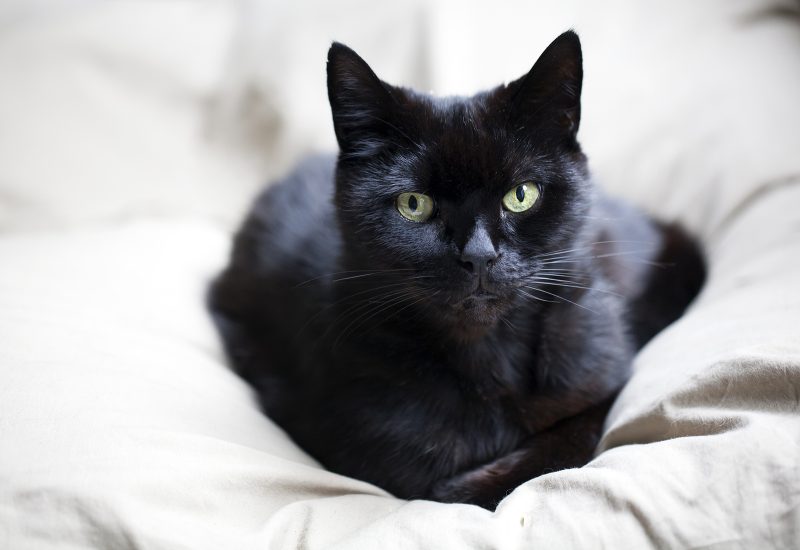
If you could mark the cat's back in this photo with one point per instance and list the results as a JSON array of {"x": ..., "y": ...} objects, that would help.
[
  {"x": 275, "y": 283},
  {"x": 291, "y": 230}
]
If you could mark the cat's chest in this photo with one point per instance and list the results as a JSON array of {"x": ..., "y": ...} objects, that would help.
[
  {"x": 472, "y": 400},
  {"x": 463, "y": 423},
  {"x": 497, "y": 369}
]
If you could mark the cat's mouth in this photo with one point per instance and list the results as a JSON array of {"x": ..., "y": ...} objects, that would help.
[
  {"x": 474, "y": 315},
  {"x": 472, "y": 308},
  {"x": 478, "y": 296},
  {"x": 478, "y": 293},
  {"x": 480, "y": 306}
]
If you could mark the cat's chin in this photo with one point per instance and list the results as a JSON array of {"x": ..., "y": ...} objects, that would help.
[{"x": 475, "y": 315}]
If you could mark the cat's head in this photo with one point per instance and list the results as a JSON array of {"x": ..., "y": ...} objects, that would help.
[{"x": 464, "y": 196}]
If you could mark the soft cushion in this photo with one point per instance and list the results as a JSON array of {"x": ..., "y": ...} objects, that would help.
[{"x": 121, "y": 425}]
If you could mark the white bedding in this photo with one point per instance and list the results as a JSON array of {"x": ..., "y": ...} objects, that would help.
[{"x": 128, "y": 147}]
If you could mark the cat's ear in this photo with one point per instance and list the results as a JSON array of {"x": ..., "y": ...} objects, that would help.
[
  {"x": 548, "y": 98},
  {"x": 362, "y": 105}
]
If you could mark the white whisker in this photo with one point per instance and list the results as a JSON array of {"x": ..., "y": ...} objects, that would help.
[
  {"x": 364, "y": 272},
  {"x": 560, "y": 298},
  {"x": 535, "y": 297},
  {"x": 565, "y": 285}
]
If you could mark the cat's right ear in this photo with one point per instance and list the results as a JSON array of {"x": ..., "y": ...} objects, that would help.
[
  {"x": 362, "y": 105},
  {"x": 548, "y": 99}
]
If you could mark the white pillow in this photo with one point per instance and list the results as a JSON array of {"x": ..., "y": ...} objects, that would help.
[
  {"x": 104, "y": 109},
  {"x": 120, "y": 425}
]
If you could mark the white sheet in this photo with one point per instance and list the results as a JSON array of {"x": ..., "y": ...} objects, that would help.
[{"x": 121, "y": 426}]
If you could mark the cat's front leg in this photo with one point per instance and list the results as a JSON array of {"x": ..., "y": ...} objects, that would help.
[{"x": 568, "y": 444}]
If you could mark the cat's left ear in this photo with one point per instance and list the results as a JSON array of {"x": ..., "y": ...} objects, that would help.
[
  {"x": 548, "y": 98},
  {"x": 362, "y": 105}
]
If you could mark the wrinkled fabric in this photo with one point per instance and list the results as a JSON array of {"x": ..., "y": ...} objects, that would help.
[{"x": 133, "y": 134}]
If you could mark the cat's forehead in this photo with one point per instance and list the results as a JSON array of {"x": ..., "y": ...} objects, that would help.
[
  {"x": 467, "y": 119},
  {"x": 467, "y": 147}
]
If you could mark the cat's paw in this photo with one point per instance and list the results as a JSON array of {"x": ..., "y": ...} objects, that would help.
[{"x": 474, "y": 487}]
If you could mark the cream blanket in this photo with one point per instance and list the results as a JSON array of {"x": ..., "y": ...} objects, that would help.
[{"x": 132, "y": 134}]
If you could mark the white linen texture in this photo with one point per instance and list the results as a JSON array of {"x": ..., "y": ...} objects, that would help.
[{"x": 134, "y": 134}]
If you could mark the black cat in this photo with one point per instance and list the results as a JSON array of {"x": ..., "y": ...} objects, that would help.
[{"x": 449, "y": 309}]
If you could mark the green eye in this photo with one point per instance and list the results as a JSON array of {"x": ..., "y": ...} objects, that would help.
[
  {"x": 415, "y": 206},
  {"x": 521, "y": 197}
]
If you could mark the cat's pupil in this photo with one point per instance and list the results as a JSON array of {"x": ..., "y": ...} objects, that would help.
[
  {"x": 412, "y": 203},
  {"x": 521, "y": 193}
]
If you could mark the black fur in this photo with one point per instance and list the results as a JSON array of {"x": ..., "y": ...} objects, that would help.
[{"x": 442, "y": 359}]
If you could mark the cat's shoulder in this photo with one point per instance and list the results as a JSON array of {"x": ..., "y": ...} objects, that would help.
[
  {"x": 292, "y": 205},
  {"x": 292, "y": 223},
  {"x": 261, "y": 302}
]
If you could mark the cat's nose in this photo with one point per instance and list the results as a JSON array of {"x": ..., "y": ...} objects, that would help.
[
  {"x": 479, "y": 253},
  {"x": 475, "y": 264}
]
